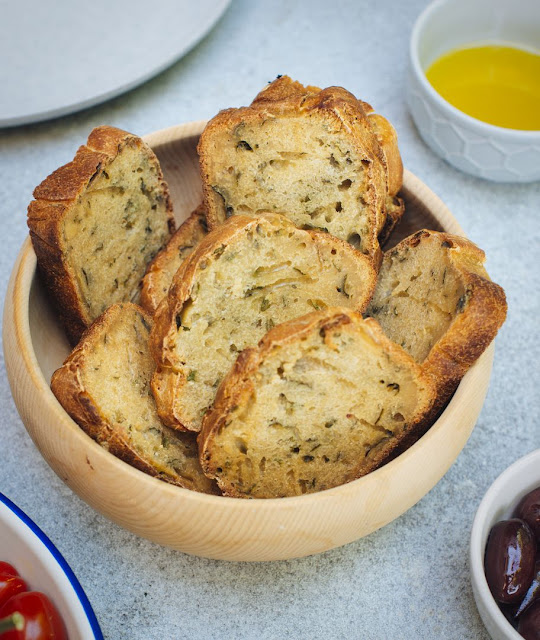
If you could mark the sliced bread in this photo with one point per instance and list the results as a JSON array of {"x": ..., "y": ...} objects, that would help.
[
  {"x": 435, "y": 299},
  {"x": 387, "y": 138},
  {"x": 104, "y": 385},
  {"x": 246, "y": 276},
  {"x": 95, "y": 224},
  {"x": 322, "y": 400},
  {"x": 161, "y": 270},
  {"x": 312, "y": 155}
]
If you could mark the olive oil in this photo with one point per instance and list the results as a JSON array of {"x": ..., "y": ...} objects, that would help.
[{"x": 497, "y": 84}]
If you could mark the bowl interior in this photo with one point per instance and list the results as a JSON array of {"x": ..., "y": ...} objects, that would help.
[
  {"x": 215, "y": 526},
  {"x": 43, "y": 568},
  {"x": 450, "y": 24}
]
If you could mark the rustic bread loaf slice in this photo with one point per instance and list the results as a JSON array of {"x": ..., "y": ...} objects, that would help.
[
  {"x": 387, "y": 138},
  {"x": 322, "y": 400},
  {"x": 395, "y": 208},
  {"x": 104, "y": 385},
  {"x": 312, "y": 155},
  {"x": 161, "y": 270},
  {"x": 96, "y": 222},
  {"x": 435, "y": 298},
  {"x": 246, "y": 276}
]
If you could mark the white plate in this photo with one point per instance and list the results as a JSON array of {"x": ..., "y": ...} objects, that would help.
[
  {"x": 62, "y": 56},
  {"x": 24, "y": 545}
]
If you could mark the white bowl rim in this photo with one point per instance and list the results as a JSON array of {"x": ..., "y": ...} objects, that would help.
[
  {"x": 476, "y": 549},
  {"x": 518, "y": 135},
  {"x": 39, "y": 539}
]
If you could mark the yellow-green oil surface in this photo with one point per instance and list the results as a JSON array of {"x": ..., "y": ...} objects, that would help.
[{"x": 497, "y": 84}]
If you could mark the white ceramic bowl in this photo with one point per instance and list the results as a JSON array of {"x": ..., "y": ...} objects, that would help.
[
  {"x": 498, "y": 504},
  {"x": 483, "y": 150},
  {"x": 38, "y": 561}
]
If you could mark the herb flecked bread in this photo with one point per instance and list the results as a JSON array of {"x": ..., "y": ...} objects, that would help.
[
  {"x": 246, "y": 276},
  {"x": 313, "y": 155},
  {"x": 435, "y": 299},
  {"x": 95, "y": 224},
  {"x": 104, "y": 385},
  {"x": 322, "y": 400},
  {"x": 161, "y": 270}
]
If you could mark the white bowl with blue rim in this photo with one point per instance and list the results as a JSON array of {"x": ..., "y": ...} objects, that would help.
[
  {"x": 43, "y": 568},
  {"x": 475, "y": 147}
]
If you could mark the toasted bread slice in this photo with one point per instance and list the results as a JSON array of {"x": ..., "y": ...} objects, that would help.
[
  {"x": 104, "y": 385},
  {"x": 322, "y": 400},
  {"x": 95, "y": 224},
  {"x": 387, "y": 138},
  {"x": 395, "y": 208},
  {"x": 246, "y": 276},
  {"x": 312, "y": 155},
  {"x": 161, "y": 270},
  {"x": 435, "y": 298}
]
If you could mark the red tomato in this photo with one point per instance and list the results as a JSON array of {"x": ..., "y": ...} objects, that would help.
[
  {"x": 41, "y": 619},
  {"x": 7, "y": 569},
  {"x": 10, "y": 585}
]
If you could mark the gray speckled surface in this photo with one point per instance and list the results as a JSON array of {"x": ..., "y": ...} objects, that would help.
[{"x": 408, "y": 580}]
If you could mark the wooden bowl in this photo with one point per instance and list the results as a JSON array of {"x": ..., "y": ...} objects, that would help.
[{"x": 213, "y": 526}]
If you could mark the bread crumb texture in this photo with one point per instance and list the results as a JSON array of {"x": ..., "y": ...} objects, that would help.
[
  {"x": 323, "y": 400},
  {"x": 105, "y": 386},
  {"x": 313, "y": 155},
  {"x": 435, "y": 299},
  {"x": 246, "y": 277},
  {"x": 97, "y": 222},
  {"x": 160, "y": 272}
]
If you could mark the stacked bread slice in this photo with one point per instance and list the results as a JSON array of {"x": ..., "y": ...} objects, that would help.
[
  {"x": 435, "y": 299},
  {"x": 322, "y": 400},
  {"x": 258, "y": 342},
  {"x": 104, "y": 385},
  {"x": 314, "y": 155},
  {"x": 245, "y": 277},
  {"x": 95, "y": 224}
]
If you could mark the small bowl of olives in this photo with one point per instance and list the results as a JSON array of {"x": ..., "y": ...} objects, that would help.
[{"x": 505, "y": 553}]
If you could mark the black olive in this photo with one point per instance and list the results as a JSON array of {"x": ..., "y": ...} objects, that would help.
[
  {"x": 529, "y": 623},
  {"x": 533, "y": 592},
  {"x": 509, "y": 560},
  {"x": 529, "y": 510}
]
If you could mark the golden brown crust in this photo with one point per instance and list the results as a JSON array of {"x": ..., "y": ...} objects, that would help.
[
  {"x": 53, "y": 199},
  {"x": 339, "y": 109},
  {"x": 387, "y": 137},
  {"x": 161, "y": 270},
  {"x": 395, "y": 208},
  {"x": 473, "y": 330},
  {"x": 238, "y": 388},
  {"x": 68, "y": 386}
]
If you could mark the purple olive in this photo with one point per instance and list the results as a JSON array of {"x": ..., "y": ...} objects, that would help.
[
  {"x": 529, "y": 622},
  {"x": 529, "y": 510},
  {"x": 509, "y": 560}
]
